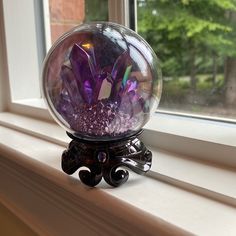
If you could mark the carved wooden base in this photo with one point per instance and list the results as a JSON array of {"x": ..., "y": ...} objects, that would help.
[{"x": 103, "y": 158}]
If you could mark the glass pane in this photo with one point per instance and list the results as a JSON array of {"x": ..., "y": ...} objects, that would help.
[
  {"x": 66, "y": 14},
  {"x": 195, "y": 41}
]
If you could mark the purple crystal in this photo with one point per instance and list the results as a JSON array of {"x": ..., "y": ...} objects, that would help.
[
  {"x": 79, "y": 101},
  {"x": 99, "y": 84},
  {"x": 84, "y": 71}
]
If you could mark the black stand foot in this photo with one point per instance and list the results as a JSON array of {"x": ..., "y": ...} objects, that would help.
[{"x": 103, "y": 158}]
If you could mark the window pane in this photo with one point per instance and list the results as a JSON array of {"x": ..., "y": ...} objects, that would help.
[
  {"x": 66, "y": 14},
  {"x": 195, "y": 41}
]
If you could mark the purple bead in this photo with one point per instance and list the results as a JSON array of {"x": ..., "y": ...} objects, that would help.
[{"x": 102, "y": 157}]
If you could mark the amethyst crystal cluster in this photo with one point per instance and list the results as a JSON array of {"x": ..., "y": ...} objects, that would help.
[{"x": 101, "y": 80}]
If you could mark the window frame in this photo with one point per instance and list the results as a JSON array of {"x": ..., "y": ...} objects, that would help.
[
  {"x": 35, "y": 106},
  {"x": 155, "y": 135},
  {"x": 179, "y": 136}
]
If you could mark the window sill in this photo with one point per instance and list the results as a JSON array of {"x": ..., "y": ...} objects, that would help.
[
  {"x": 172, "y": 199},
  {"x": 34, "y": 102}
]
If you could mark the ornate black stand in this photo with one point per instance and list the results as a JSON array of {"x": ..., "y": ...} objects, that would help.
[{"x": 103, "y": 158}]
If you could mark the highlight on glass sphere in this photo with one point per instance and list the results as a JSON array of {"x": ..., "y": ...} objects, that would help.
[{"x": 101, "y": 81}]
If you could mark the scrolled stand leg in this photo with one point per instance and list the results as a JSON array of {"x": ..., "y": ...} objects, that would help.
[{"x": 105, "y": 158}]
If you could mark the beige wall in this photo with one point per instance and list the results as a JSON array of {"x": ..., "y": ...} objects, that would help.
[{"x": 11, "y": 225}]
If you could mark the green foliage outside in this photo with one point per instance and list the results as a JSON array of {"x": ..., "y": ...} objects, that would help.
[
  {"x": 176, "y": 28},
  {"x": 192, "y": 38}
]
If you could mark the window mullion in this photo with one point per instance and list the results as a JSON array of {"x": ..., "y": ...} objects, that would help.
[
  {"x": 119, "y": 11},
  {"x": 5, "y": 97},
  {"x": 47, "y": 30}
]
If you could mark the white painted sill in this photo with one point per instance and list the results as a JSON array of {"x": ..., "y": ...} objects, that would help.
[{"x": 182, "y": 194}]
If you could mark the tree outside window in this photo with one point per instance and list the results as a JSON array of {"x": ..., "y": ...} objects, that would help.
[{"x": 195, "y": 41}]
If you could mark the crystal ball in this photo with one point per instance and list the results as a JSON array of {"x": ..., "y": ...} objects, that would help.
[{"x": 101, "y": 81}]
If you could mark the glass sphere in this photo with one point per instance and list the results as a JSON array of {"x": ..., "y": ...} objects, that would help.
[{"x": 101, "y": 81}]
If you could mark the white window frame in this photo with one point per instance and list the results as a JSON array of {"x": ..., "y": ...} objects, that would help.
[
  {"x": 159, "y": 124},
  {"x": 34, "y": 105},
  {"x": 190, "y": 147}
]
